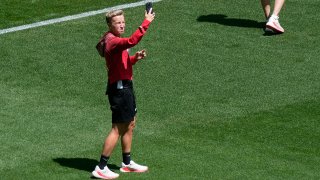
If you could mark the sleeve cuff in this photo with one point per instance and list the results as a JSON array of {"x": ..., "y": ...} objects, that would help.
[{"x": 145, "y": 24}]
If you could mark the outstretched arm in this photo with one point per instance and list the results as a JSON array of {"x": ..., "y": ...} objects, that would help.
[{"x": 134, "y": 39}]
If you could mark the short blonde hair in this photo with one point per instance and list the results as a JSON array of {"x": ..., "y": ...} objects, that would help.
[{"x": 113, "y": 13}]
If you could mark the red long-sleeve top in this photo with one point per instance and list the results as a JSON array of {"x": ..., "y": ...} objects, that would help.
[{"x": 118, "y": 61}]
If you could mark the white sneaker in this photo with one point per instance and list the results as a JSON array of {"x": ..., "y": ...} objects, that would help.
[
  {"x": 105, "y": 173},
  {"x": 273, "y": 25},
  {"x": 133, "y": 167}
]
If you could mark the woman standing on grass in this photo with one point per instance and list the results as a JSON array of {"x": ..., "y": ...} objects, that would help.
[{"x": 120, "y": 91}]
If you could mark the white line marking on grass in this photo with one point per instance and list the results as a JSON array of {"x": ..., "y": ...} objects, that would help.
[{"x": 72, "y": 17}]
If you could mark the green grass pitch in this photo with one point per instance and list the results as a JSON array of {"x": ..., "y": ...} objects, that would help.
[{"x": 217, "y": 99}]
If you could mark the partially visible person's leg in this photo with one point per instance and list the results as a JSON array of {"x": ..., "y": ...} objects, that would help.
[
  {"x": 277, "y": 7},
  {"x": 266, "y": 8}
]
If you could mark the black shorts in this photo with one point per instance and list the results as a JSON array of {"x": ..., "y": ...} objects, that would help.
[{"x": 122, "y": 102}]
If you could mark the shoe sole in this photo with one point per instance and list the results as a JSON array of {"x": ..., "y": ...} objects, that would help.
[
  {"x": 128, "y": 170},
  {"x": 273, "y": 29}
]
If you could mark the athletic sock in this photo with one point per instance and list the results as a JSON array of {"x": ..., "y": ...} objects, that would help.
[
  {"x": 126, "y": 158},
  {"x": 103, "y": 161},
  {"x": 274, "y": 17}
]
